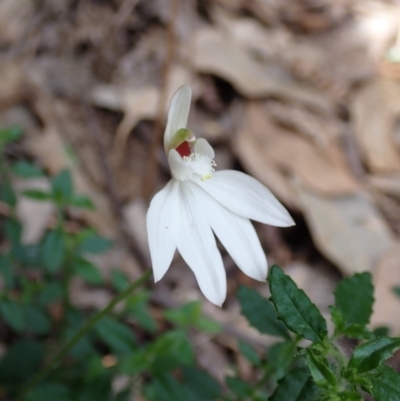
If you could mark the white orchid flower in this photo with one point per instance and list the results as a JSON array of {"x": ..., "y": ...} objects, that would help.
[{"x": 198, "y": 203}]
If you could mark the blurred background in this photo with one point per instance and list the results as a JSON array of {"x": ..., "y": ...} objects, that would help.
[{"x": 304, "y": 95}]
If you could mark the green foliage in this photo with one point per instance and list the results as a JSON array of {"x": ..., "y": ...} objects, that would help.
[
  {"x": 25, "y": 169},
  {"x": 155, "y": 350},
  {"x": 294, "y": 307},
  {"x": 351, "y": 312},
  {"x": 260, "y": 313}
]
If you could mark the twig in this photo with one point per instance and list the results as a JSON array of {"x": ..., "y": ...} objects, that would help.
[{"x": 150, "y": 178}]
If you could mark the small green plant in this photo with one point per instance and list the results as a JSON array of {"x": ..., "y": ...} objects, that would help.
[{"x": 55, "y": 351}]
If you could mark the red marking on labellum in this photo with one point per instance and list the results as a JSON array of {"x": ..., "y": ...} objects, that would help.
[{"x": 184, "y": 149}]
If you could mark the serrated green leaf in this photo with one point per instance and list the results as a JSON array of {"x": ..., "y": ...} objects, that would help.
[
  {"x": 26, "y": 169},
  {"x": 372, "y": 354},
  {"x": 38, "y": 195},
  {"x": 200, "y": 385},
  {"x": 386, "y": 387},
  {"x": 355, "y": 309},
  {"x": 295, "y": 308},
  {"x": 137, "y": 307},
  {"x": 53, "y": 250},
  {"x": 250, "y": 353},
  {"x": 320, "y": 370},
  {"x": 295, "y": 386},
  {"x": 81, "y": 201},
  {"x": 279, "y": 358},
  {"x": 136, "y": 363},
  {"x": 14, "y": 314},
  {"x": 171, "y": 350},
  {"x": 88, "y": 271},
  {"x": 260, "y": 313},
  {"x": 61, "y": 186},
  {"x": 117, "y": 335}
]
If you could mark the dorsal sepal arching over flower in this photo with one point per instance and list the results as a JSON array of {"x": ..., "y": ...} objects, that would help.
[{"x": 199, "y": 203}]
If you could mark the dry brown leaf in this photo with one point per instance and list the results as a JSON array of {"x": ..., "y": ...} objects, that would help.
[
  {"x": 386, "y": 275},
  {"x": 375, "y": 110},
  {"x": 348, "y": 230},
  {"x": 321, "y": 169},
  {"x": 51, "y": 151},
  {"x": 214, "y": 52}
]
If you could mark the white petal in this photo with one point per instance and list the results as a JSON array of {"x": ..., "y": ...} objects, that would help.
[
  {"x": 246, "y": 197},
  {"x": 197, "y": 245},
  {"x": 202, "y": 147},
  {"x": 179, "y": 170},
  {"x": 236, "y": 234},
  {"x": 162, "y": 223},
  {"x": 178, "y": 113}
]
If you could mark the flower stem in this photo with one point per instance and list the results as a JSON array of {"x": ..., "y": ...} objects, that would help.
[{"x": 81, "y": 333}]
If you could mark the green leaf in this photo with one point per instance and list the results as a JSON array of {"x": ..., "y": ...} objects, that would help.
[
  {"x": 8, "y": 135},
  {"x": 396, "y": 290},
  {"x": 171, "y": 350},
  {"x": 200, "y": 385},
  {"x": 320, "y": 371},
  {"x": 13, "y": 231},
  {"x": 165, "y": 388},
  {"x": 7, "y": 194},
  {"x": 137, "y": 308},
  {"x": 26, "y": 169},
  {"x": 82, "y": 202},
  {"x": 37, "y": 320},
  {"x": 239, "y": 387},
  {"x": 386, "y": 387},
  {"x": 294, "y": 307},
  {"x": 354, "y": 309},
  {"x": 295, "y": 386},
  {"x": 50, "y": 392},
  {"x": 88, "y": 271},
  {"x": 279, "y": 358},
  {"x": 250, "y": 353},
  {"x": 260, "y": 313},
  {"x": 14, "y": 314},
  {"x": 53, "y": 250},
  {"x": 7, "y": 271},
  {"x": 61, "y": 186},
  {"x": 116, "y": 335},
  {"x": 95, "y": 244},
  {"x": 120, "y": 280},
  {"x": 371, "y": 354},
  {"x": 21, "y": 361},
  {"x": 51, "y": 293},
  {"x": 136, "y": 363},
  {"x": 38, "y": 195}
]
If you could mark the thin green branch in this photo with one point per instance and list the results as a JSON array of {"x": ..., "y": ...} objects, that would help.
[{"x": 81, "y": 333}]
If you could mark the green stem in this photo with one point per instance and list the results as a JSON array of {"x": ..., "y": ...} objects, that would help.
[{"x": 81, "y": 333}]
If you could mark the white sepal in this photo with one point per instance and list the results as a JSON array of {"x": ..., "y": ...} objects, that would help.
[
  {"x": 246, "y": 197},
  {"x": 162, "y": 228},
  {"x": 236, "y": 234},
  {"x": 197, "y": 245}
]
